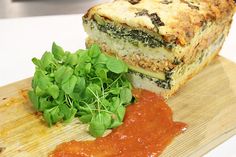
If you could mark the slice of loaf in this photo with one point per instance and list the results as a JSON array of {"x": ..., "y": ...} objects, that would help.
[{"x": 164, "y": 42}]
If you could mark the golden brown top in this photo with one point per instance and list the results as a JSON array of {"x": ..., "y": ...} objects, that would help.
[{"x": 174, "y": 20}]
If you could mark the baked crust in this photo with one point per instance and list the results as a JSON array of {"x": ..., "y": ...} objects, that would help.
[{"x": 174, "y": 20}]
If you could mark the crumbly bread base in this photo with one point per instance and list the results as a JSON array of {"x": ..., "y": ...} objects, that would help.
[{"x": 145, "y": 83}]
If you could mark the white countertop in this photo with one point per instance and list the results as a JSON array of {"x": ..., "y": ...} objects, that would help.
[{"x": 22, "y": 39}]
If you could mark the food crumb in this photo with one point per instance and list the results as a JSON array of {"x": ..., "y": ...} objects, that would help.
[
  {"x": 37, "y": 114},
  {"x": 58, "y": 125},
  {"x": 24, "y": 93},
  {"x": 2, "y": 149}
]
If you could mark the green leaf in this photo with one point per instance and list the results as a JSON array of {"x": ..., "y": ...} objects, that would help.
[
  {"x": 83, "y": 57},
  {"x": 120, "y": 112},
  {"x": 68, "y": 112},
  {"x": 87, "y": 67},
  {"x": 34, "y": 99},
  {"x": 63, "y": 74},
  {"x": 53, "y": 115},
  {"x": 116, "y": 102},
  {"x": 46, "y": 59},
  {"x": 115, "y": 123},
  {"x": 47, "y": 117},
  {"x": 102, "y": 59},
  {"x": 45, "y": 104},
  {"x": 96, "y": 127},
  {"x": 53, "y": 90},
  {"x": 59, "y": 74},
  {"x": 80, "y": 51},
  {"x": 39, "y": 91},
  {"x": 57, "y": 51},
  {"x": 79, "y": 88},
  {"x": 106, "y": 119},
  {"x": 105, "y": 102},
  {"x": 86, "y": 118},
  {"x": 115, "y": 90},
  {"x": 44, "y": 84},
  {"x": 101, "y": 73},
  {"x": 125, "y": 95},
  {"x": 84, "y": 109},
  {"x": 81, "y": 84},
  {"x": 94, "y": 51},
  {"x": 115, "y": 65},
  {"x": 43, "y": 81},
  {"x": 81, "y": 113},
  {"x": 126, "y": 82},
  {"x": 71, "y": 59},
  {"x": 93, "y": 90},
  {"x": 61, "y": 97},
  {"x": 37, "y": 62},
  {"x": 67, "y": 74},
  {"x": 39, "y": 75},
  {"x": 69, "y": 85}
]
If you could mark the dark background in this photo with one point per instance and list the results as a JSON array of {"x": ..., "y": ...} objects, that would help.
[{"x": 24, "y": 8}]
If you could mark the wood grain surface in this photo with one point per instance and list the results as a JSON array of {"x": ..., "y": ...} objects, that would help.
[{"x": 207, "y": 103}]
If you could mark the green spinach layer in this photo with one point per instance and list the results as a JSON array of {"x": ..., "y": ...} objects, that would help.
[
  {"x": 166, "y": 84},
  {"x": 133, "y": 36}
]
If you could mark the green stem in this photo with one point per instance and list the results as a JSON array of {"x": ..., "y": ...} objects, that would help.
[{"x": 113, "y": 82}]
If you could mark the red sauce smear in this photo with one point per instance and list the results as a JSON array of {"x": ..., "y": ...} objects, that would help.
[{"x": 147, "y": 129}]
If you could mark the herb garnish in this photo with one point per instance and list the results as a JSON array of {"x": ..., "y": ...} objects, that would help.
[{"x": 87, "y": 84}]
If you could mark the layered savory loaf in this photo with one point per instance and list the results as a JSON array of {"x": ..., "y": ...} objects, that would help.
[{"x": 164, "y": 42}]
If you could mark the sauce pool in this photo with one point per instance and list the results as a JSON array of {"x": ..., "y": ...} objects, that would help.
[{"x": 147, "y": 129}]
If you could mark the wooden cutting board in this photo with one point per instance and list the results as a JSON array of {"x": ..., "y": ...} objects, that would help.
[{"x": 207, "y": 103}]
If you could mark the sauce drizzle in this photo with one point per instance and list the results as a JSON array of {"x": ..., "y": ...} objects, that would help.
[{"x": 147, "y": 129}]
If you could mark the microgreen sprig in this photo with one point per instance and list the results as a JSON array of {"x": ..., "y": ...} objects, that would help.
[{"x": 86, "y": 84}]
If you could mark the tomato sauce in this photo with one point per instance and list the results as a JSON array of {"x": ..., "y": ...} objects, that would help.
[{"x": 147, "y": 129}]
